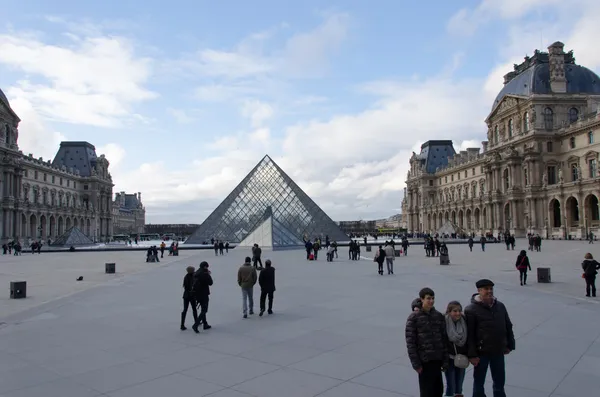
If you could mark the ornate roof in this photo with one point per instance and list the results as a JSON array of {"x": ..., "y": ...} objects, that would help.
[
  {"x": 533, "y": 77},
  {"x": 435, "y": 154},
  {"x": 4, "y": 98}
]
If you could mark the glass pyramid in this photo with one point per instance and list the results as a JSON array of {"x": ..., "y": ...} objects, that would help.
[
  {"x": 267, "y": 201},
  {"x": 73, "y": 236}
]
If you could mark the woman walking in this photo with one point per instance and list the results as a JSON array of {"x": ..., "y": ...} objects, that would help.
[
  {"x": 522, "y": 265},
  {"x": 456, "y": 328},
  {"x": 188, "y": 296},
  {"x": 590, "y": 269}
]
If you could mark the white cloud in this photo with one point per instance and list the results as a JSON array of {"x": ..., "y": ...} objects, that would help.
[
  {"x": 258, "y": 112},
  {"x": 115, "y": 154},
  {"x": 89, "y": 80},
  {"x": 180, "y": 115},
  {"x": 35, "y": 136}
]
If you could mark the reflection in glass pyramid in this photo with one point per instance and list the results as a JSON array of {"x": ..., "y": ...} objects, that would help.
[{"x": 267, "y": 206}]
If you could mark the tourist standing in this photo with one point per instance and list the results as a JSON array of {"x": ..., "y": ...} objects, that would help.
[
  {"x": 470, "y": 242},
  {"x": 266, "y": 280},
  {"x": 456, "y": 328},
  {"x": 256, "y": 253},
  {"x": 246, "y": 279},
  {"x": 202, "y": 282},
  {"x": 590, "y": 269},
  {"x": 490, "y": 336},
  {"x": 522, "y": 265},
  {"x": 188, "y": 296},
  {"x": 482, "y": 240},
  {"x": 380, "y": 258},
  {"x": 427, "y": 344}
]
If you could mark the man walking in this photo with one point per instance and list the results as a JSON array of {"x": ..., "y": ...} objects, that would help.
[
  {"x": 389, "y": 257},
  {"x": 246, "y": 280},
  {"x": 427, "y": 344},
  {"x": 202, "y": 282},
  {"x": 490, "y": 338},
  {"x": 266, "y": 280}
]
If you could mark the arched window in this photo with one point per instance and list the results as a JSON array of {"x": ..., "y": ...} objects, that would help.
[
  {"x": 548, "y": 119},
  {"x": 526, "y": 122},
  {"x": 573, "y": 115},
  {"x": 496, "y": 135},
  {"x": 510, "y": 128}
]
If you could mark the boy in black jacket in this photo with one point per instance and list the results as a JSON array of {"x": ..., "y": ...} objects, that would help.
[
  {"x": 266, "y": 280},
  {"x": 202, "y": 283}
]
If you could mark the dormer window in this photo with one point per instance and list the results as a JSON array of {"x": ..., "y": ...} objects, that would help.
[{"x": 510, "y": 128}]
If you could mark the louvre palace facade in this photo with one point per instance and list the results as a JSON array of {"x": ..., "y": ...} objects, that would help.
[
  {"x": 41, "y": 199},
  {"x": 537, "y": 172}
]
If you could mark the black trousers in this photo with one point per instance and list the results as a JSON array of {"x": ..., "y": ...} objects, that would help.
[
  {"x": 523, "y": 276},
  {"x": 590, "y": 284},
  {"x": 430, "y": 380},
  {"x": 186, "y": 303},
  {"x": 257, "y": 260},
  {"x": 203, "y": 302},
  {"x": 263, "y": 297}
]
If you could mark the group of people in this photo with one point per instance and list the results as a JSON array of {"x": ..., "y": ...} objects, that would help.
[
  {"x": 196, "y": 291},
  {"x": 480, "y": 336}
]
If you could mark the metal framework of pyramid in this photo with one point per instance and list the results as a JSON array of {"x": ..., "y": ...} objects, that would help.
[
  {"x": 73, "y": 236},
  {"x": 267, "y": 202}
]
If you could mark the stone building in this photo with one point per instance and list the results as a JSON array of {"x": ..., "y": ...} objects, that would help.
[
  {"x": 538, "y": 169},
  {"x": 128, "y": 214},
  {"x": 41, "y": 199}
]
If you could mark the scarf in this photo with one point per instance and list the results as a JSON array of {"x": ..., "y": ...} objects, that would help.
[{"x": 457, "y": 330}]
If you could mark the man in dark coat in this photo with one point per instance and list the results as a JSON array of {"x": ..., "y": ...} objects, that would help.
[
  {"x": 490, "y": 337},
  {"x": 266, "y": 280},
  {"x": 427, "y": 344},
  {"x": 256, "y": 253},
  {"x": 202, "y": 283}
]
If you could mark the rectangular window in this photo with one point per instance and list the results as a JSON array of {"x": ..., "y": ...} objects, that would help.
[
  {"x": 572, "y": 142},
  {"x": 549, "y": 147},
  {"x": 591, "y": 137},
  {"x": 60, "y": 181},
  {"x": 53, "y": 179},
  {"x": 445, "y": 179},
  {"x": 85, "y": 187},
  {"x": 68, "y": 183},
  {"x": 574, "y": 172},
  {"x": 473, "y": 171},
  {"x": 552, "y": 175},
  {"x": 45, "y": 176},
  {"x": 466, "y": 174},
  {"x": 35, "y": 174},
  {"x": 526, "y": 176},
  {"x": 74, "y": 185},
  {"x": 458, "y": 176},
  {"x": 593, "y": 168}
]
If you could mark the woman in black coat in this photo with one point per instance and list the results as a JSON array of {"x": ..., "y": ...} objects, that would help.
[
  {"x": 590, "y": 269},
  {"x": 522, "y": 265},
  {"x": 266, "y": 280}
]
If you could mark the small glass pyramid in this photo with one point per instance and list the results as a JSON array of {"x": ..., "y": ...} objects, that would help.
[{"x": 267, "y": 201}]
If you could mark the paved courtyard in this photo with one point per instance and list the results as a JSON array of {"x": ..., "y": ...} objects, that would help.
[{"x": 337, "y": 331}]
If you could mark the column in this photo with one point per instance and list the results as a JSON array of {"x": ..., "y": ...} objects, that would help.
[
  {"x": 533, "y": 213},
  {"x": 515, "y": 204}
]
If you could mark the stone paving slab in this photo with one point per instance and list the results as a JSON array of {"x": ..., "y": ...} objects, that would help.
[{"x": 338, "y": 328}]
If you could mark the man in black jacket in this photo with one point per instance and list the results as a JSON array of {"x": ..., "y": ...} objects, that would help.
[
  {"x": 256, "y": 253},
  {"x": 202, "y": 283},
  {"x": 490, "y": 337},
  {"x": 427, "y": 344},
  {"x": 266, "y": 280}
]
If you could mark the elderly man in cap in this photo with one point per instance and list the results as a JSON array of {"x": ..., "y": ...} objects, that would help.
[{"x": 490, "y": 337}]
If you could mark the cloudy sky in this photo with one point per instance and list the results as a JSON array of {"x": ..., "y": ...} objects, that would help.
[{"x": 185, "y": 99}]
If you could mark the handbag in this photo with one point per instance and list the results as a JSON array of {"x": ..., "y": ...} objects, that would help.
[{"x": 460, "y": 360}]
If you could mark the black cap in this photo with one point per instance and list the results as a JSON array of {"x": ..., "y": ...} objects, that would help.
[
  {"x": 484, "y": 283},
  {"x": 248, "y": 260},
  {"x": 203, "y": 265}
]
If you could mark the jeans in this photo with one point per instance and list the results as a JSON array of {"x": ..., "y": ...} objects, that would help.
[
  {"x": 390, "y": 265},
  {"x": 263, "y": 297},
  {"x": 203, "y": 302},
  {"x": 590, "y": 283},
  {"x": 454, "y": 379},
  {"x": 496, "y": 364},
  {"x": 430, "y": 379},
  {"x": 247, "y": 295}
]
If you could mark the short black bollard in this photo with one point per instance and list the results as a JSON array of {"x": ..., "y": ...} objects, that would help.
[
  {"x": 368, "y": 248},
  {"x": 18, "y": 289},
  {"x": 109, "y": 268},
  {"x": 444, "y": 260},
  {"x": 543, "y": 275},
  {"x": 396, "y": 252}
]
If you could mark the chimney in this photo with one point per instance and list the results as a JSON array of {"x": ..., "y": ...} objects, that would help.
[
  {"x": 484, "y": 144},
  {"x": 140, "y": 197},
  {"x": 558, "y": 80}
]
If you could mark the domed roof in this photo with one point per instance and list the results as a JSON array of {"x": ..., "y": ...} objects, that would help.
[
  {"x": 4, "y": 98},
  {"x": 533, "y": 77}
]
